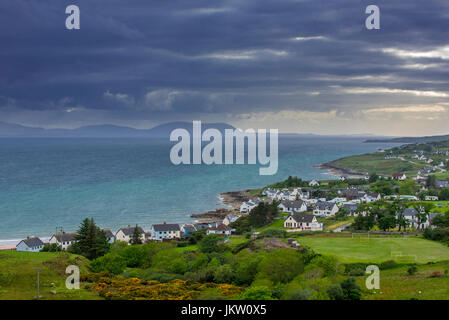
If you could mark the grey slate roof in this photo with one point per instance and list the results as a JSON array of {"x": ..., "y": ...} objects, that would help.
[
  {"x": 324, "y": 205},
  {"x": 166, "y": 227},
  {"x": 65, "y": 237},
  {"x": 33, "y": 242},
  {"x": 130, "y": 230},
  {"x": 292, "y": 204},
  {"x": 409, "y": 212},
  {"x": 302, "y": 217}
]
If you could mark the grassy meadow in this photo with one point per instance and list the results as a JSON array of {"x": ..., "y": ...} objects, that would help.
[
  {"x": 18, "y": 279},
  {"x": 377, "y": 250}
]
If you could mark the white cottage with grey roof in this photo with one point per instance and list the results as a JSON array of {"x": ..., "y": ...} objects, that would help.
[
  {"x": 64, "y": 240},
  {"x": 33, "y": 244},
  {"x": 126, "y": 234},
  {"x": 303, "y": 221}
]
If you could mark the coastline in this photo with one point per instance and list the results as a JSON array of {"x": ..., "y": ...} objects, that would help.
[{"x": 339, "y": 171}]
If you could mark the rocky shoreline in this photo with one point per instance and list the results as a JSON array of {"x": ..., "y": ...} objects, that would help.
[
  {"x": 235, "y": 198},
  {"x": 339, "y": 171}
]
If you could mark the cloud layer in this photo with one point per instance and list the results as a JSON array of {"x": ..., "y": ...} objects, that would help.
[{"x": 300, "y": 66}]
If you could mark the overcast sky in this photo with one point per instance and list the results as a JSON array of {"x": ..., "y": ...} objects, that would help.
[{"x": 299, "y": 66}]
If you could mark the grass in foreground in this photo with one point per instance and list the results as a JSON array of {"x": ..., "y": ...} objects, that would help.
[
  {"x": 18, "y": 279},
  {"x": 396, "y": 284},
  {"x": 377, "y": 250}
]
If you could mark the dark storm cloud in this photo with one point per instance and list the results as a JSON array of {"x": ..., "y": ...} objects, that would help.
[{"x": 163, "y": 60}]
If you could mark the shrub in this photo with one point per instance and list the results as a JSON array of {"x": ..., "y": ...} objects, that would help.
[
  {"x": 300, "y": 294},
  {"x": 108, "y": 263},
  {"x": 389, "y": 264},
  {"x": 224, "y": 274},
  {"x": 281, "y": 265},
  {"x": 351, "y": 290},
  {"x": 273, "y": 233},
  {"x": 335, "y": 292},
  {"x": 412, "y": 269},
  {"x": 257, "y": 293},
  {"x": 209, "y": 243}
]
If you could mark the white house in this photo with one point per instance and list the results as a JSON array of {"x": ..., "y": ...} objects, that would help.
[
  {"x": 338, "y": 200},
  {"x": 247, "y": 206},
  {"x": 399, "y": 176},
  {"x": 230, "y": 218},
  {"x": 410, "y": 215},
  {"x": 314, "y": 183},
  {"x": 325, "y": 209},
  {"x": 293, "y": 206},
  {"x": 63, "y": 240},
  {"x": 30, "y": 245},
  {"x": 221, "y": 229},
  {"x": 303, "y": 221},
  {"x": 163, "y": 231},
  {"x": 126, "y": 234},
  {"x": 371, "y": 197}
]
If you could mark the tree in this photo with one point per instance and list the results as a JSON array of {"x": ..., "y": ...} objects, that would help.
[
  {"x": 257, "y": 293},
  {"x": 111, "y": 262},
  {"x": 209, "y": 243},
  {"x": 335, "y": 292},
  {"x": 408, "y": 187},
  {"x": 351, "y": 290},
  {"x": 387, "y": 222},
  {"x": 224, "y": 274},
  {"x": 342, "y": 213},
  {"x": 444, "y": 194},
  {"x": 364, "y": 223},
  {"x": 263, "y": 214},
  {"x": 373, "y": 178},
  {"x": 431, "y": 181},
  {"x": 137, "y": 236},
  {"x": 91, "y": 241},
  {"x": 402, "y": 222},
  {"x": 52, "y": 247},
  {"x": 281, "y": 265}
]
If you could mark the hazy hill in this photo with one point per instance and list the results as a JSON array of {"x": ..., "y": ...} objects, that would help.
[
  {"x": 413, "y": 139},
  {"x": 102, "y": 131}
]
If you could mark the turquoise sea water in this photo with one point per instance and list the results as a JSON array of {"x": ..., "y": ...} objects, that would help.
[{"x": 49, "y": 183}]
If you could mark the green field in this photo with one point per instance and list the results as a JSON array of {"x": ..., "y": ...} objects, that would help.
[
  {"x": 18, "y": 279},
  {"x": 397, "y": 284},
  {"x": 376, "y": 250},
  {"x": 376, "y": 163}
]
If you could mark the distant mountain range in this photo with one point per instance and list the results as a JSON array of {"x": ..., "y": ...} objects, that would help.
[
  {"x": 413, "y": 139},
  {"x": 102, "y": 131}
]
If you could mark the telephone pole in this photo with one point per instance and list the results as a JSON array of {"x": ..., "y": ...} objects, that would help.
[{"x": 38, "y": 271}]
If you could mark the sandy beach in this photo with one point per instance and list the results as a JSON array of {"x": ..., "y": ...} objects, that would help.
[{"x": 7, "y": 247}]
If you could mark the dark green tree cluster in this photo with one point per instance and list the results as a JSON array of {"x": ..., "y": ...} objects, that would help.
[
  {"x": 346, "y": 290},
  {"x": 290, "y": 182},
  {"x": 91, "y": 241}
]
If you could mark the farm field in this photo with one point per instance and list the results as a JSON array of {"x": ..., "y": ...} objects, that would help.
[{"x": 377, "y": 250}]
